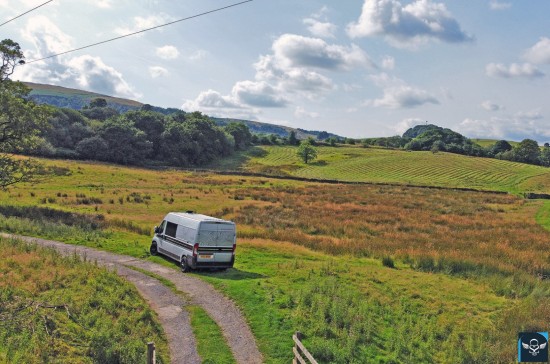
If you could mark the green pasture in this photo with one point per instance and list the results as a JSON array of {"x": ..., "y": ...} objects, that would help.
[
  {"x": 356, "y": 164},
  {"x": 350, "y": 308}
]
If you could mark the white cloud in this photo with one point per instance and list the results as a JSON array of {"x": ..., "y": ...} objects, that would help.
[
  {"x": 167, "y": 52},
  {"x": 497, "y": 5},
  {"x": 320, "y": 29},
  {"x": 141, "y": 23},
  {"x": 513, "y": 70},
  {"x": 301, "y": 113},
  {"x": 404, "y": 97},
  {"x": 540, "y": 52},
  {"x": 407, "y": 25},
  {"x": 85, "y": 72},
  {"x": 297, "y": 51},
  {"x": 398, "y": 94},
  {"x": 215, "y": 104},
  {"x": 491, "y": 106},
  {"x": 157, "y": 71},
  {"x": 522, "y": 125},
  {"x": 406, "y": 124},
  {"x": 103, "y": 4},
  {"x": 259, "y": 94}
]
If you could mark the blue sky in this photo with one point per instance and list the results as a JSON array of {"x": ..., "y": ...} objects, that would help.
[{"x": 358, "y": 68}]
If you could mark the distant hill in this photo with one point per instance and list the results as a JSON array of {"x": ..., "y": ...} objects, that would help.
[{"x": 76, "y": 99}]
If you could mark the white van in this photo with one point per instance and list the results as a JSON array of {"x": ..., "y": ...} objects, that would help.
[{"x": 196, "y": 241}]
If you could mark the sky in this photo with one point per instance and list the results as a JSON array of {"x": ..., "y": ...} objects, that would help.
[{"x": 357, "y": 68}]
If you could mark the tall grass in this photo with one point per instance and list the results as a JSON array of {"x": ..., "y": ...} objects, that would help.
[{"x": 60, "y": 309}]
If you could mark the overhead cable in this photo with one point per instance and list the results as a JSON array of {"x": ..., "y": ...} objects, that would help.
[
  {"x": 139, "y": 31},
  {"x": 26, "y": 12}
]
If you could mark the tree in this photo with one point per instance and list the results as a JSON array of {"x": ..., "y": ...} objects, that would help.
[
  {"x": 545, "y": 156},
  {"x": 306, "y": 151},
  {"x": 527, "y": 151},
  {"x": 98, "y": 102},
  {"x": 126, "y": 143},
  {"x": 21, "y": 120},
  {"x": 292, "y": 140},
  {"x": 241, "y": 134}
]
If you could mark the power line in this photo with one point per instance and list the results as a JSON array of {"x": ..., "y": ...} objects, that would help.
[
  {"x": 18, "y": 16},
  {"x": 141, "y": 31}
]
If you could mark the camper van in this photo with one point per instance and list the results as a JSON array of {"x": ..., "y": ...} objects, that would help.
[{"x": 196, "y": 241}]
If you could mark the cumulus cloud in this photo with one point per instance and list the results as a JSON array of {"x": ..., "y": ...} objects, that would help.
[
  {"x": 491, "y": 106},
  {"x": 198, "y": 55},
  {"x": 141, "y": 23},
  {"x": 157, "y": 71},
  {"x": 319, "y": 28},
  {"x": 404, "y": 97},
  {"x": 293, "y": 70},
  {"x": 259, "y": 94},
  {"x": 406, "y": 124},
  {"x": 540, "y": 52},
  {"x": 398, "y": 94},
  {"x": 522, "y": 125},
  {"x": 297, "y": 51},
  {"x": 514, "y": 70},
  {"x": 167, "y": 52},
  {"x": 497, "y": 5},
  {"x": 216, "y": 104},
  {"x": 85, "y": 71},
  {"x": 407, "y": 25}
]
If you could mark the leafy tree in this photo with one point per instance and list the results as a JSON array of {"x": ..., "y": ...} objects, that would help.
[
  {"x": 152, "y": 124},
  {"x": 92, "y": 148},
  {"x": 545, "y": 156},
  {"x": 241, "y": 134},
  {"x": 292, "y": 139},
  {"x": 306, "y": 151},
  {"x": 68, "y": 127},
  {"x": 332, "y": 141},
  {"x": 527, "y": 151},
  {"x": 194, "y": 141},
  {"x": 21, "y": 120},
  {"x": 126, "y": 144},
  {"x": 97, "y": 102}
]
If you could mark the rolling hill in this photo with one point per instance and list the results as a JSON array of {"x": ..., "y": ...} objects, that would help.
[
  {"x": 356, "y": 164},
  {"x": 76, "y": 99}
]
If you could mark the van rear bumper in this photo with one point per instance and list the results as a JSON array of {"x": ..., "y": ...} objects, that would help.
[{"x": 192, "y": 262}]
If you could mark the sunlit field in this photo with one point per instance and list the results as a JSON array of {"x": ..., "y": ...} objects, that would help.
[
  {"x": 388, "y": 273},
  {"x": 357, "y": 164}
]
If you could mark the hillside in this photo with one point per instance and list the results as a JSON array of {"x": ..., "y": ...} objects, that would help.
[
  {"x": 76, "y": 99},
  {"x": 356, "y": 164}
]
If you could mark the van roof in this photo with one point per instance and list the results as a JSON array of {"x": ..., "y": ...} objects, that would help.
[{"x": 193, "y": 219}]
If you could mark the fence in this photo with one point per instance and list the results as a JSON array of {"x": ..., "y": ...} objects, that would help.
[
  {"x": 151, "y": 354},
  {"x": 300, "y": 351}
]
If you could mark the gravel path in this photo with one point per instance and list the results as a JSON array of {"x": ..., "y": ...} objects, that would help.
[{"x": 168, "y": 305}]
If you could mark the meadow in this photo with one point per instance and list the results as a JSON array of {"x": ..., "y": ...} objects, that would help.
[
  {"x": 61, "y": 309},
  {"x": 379, "y": 165},
  {"x": 393, "y": 274}
]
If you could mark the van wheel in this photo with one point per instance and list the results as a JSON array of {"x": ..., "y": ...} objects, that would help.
[
  {"x": 153, "y": 249},
  {"x": 184, "y": 266}
]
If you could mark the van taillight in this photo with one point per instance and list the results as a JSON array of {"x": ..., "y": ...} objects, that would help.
[
  {"x": 195, "y": 249},
  {"x": 234, "y": 247}
]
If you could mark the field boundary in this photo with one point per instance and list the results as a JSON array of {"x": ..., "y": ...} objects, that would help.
[{"x": 329, "y": 181}]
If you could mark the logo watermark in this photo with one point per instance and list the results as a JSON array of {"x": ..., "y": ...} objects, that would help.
[{"x": 532, "y": 347}]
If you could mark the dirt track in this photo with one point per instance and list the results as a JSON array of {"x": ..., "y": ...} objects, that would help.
[{"x": 168, "y": 305}]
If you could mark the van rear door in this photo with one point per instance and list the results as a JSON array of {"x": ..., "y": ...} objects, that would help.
[{"x": 216, "y": 240}]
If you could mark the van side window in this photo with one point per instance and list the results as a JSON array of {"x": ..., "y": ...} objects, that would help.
[
  {"x": 171, "y": 229},
  {"x": 161, "y": 226}
]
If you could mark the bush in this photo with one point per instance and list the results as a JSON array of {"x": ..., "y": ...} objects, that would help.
[{"x": 388, "y": 262}]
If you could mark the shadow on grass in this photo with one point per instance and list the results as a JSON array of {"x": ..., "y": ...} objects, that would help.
[{"x": 233, "y": 274}]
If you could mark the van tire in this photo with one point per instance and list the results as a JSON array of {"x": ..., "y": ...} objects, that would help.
[
  {"x": 184, "y": 266},
  {"x": 153, "y": 249}
]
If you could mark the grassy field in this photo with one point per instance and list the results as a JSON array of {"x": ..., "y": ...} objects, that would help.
[
  {"x": 318, "y": 257},
  {"x": 356, "y": 164},
  {"x": 63, "y": 308}
]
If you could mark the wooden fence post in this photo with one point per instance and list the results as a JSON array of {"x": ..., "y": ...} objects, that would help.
[{"x": 151, "y": 355}]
